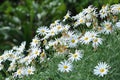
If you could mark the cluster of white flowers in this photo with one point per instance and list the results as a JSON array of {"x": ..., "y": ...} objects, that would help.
[{"x": 63, "y": 39}]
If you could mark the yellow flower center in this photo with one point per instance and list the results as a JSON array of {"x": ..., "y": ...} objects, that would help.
[
  {"x": 95, "y": 40},
  {"x": 81, "y": 20},
  {"x": 35, "y": 41},
  {"x": 99, "y": 28},
  {"x": 29, "y": 71},
  {"x": 102, "y": 70},
  {"x": 19, "y": 72},
  {"x": 42, "y": 54},
  {"x": 109, "y": 28},
  {"x": 86, "y": 38},
  {"x": 75, "y": 55},
  {"x": 36, "y": 52},
  {"x": 58, "y": 27},
  {"x": 73, "y": 41},
  {"x": 42, "y": 31},
  {"x": 65, "y": 67},
  {"x": 52, "y": 32},
  {"x": 118, "y": 8}
]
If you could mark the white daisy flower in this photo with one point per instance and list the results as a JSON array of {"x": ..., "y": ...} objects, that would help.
[
  {"x": 101, "y": 69},
  {"x": 35, "y": 51},
  {"x": 107, "y": 27},
  {"x": 52, "y": 32},
  {"x": 20, "y": 72},
  {"x": 19, "y": 49},
  {"x": 96, "y": 42},
  {"x": 67, "y": 16},
  {"x": 76, "y": 56},
  {"x": 65, "y": 66},
  {"x": 42, "y": 56},
  {"x": 93, "y": 34},
  {"x": 104, "y": 12},
  {"x": 42, "y": 30},
  {"x": 35, "y": 41},
  {"x": 115, "y": 9},
  {"x": 30, "y": 70},
  {"x": 54, "y": 23},
  {"x": 26, "y": 60},
  {"x": 59, "y": 27},
  {"x": 66, "y": 27},
  {"x": 73, "y": 40},
  {"x": 86, "y": 39}
]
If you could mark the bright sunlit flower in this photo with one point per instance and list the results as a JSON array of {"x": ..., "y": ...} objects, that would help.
[
  {"x": 96, "y": 42},
  {"x": 76, "y": 56},
  {"x": 20, "y": 72},
  {"x": 115, "y": 9},
  {"x": 65, "y": 66},
  {"x": 42, "y": 30},
  {"x": 107, "y": 27},
  {"x": 73, "y": 40},
  {"x": 86, "y": 39},
  {"x": 104, "y": 12},
  {"x": 66, "y": 16},
  {"x": 101, "y": 69},
  {"x": 30, "y": 70},
  {"x": 35, "y": 41}
]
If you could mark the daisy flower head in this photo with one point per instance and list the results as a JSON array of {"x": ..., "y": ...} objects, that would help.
[
  {"x": 66, "y": 27},
  {"x": 80, "y": 19},
  {"x": 92, "y": 34},
  {"x": 96, "y": 42},
  {"x": 35, "y": 41},
  {"x": 107, "y": 27},
  {"x": 76, "y": 56},
  {"x": 73, "y": 40},
  {"x": 54, "y": 23},
  {"x": 67, "y": 16},
  {"x": 101, "y": 69},
  {"x": 100, "y": 29},
  {"x": 30, "y": 70},
  {"x": 105, "y": 11},
  {"x": 52, "y": 32},
  {"x": 20, "y": 72},
  {"x": 86, "y": 39},
  {"x": 115, "y": 9},
  {"x": 42, "y": 56},
  {"x": 35, "y": 51},
  {"x": 42, "y": 30},
  {"x": 59, "y": 27},
  {"x": 65, "y": 66}
]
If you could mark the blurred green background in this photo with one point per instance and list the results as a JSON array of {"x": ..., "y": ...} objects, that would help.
[{"x": 19, "y": 19}]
